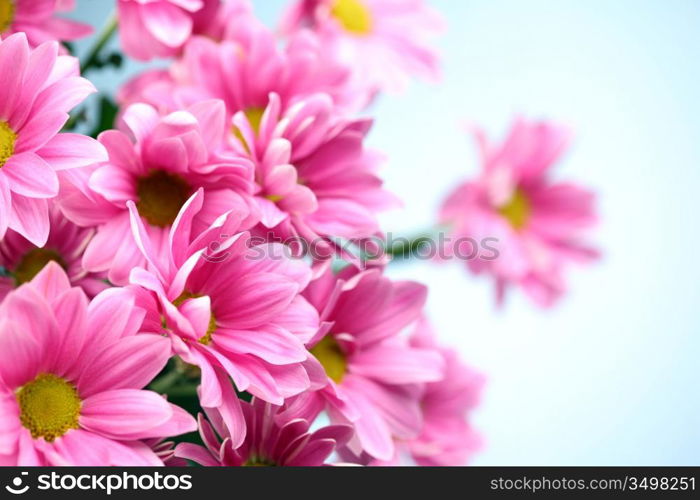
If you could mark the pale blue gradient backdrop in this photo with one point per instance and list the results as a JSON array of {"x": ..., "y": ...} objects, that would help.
[{"x": 611, "y": 376}]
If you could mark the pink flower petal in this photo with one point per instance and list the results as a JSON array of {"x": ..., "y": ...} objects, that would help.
[
  {"x": 20, "y": 355},
  {"x": 198, "y": 313},
  {"x": 66, "y": 151},
  {"x": 130, "y": 363},
  {"x": 125, "y": 413},
  {"x": 398, "y": 364},
  {"x": 270, "y": 343},
  {"x": 9, "y": 421},
  {"x": 120, "y": 150},
  {"x": 39, "y": 130},
  {"x": 196, "y": 453},
  {"x": 14, "y": 53},
  {"x": 180, "y": 423},
  {"x": 256, "y": 299},
  {"x": 141, "y": 119},
  {"x": 41, "y": 62},
  {"x": 112, "y": 315},
  {"x": 51, "y": 281},
  {"x": 84, "y": 448},
  {"x": 29, "y": 175},
  {"x": 65, "y": 94},
  {"x": 169, "y": 24}
]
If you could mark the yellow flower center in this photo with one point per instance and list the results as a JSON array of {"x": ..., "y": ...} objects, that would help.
[
  {"x": 33, "y": 262},
  {"x": 516, "y": 210},
  {"x": 353, "y": 15},
  {"x": 49, "y": 406},
  {"x": 332, "y": 358},
  {"x": 7, "y": 135},
  {"x": 7, "y": 14},
  {"x": 207, "y": 337},
  {"x": 161, "y": 195}
]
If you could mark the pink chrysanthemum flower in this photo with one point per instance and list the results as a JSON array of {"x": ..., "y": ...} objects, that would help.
[
  {"x": 158, "y": 163},
  {"x": 316, "y": 181},
  {"x": 270, "y": 441},
  {"x": 448, "y": 437},
  {"x": 537, "y": 223},
  {"x": 71, "y": 378},
  {"x": 385, "y": 42},
  {"x": 231, "y": 307},
  {"x": 37, "y": 20},
  {"x": 374, "y": 377},
  {"x": 37, "y": 89},
  {"x": 314, "y": 178},
  {"x": 21, "y": 260}
]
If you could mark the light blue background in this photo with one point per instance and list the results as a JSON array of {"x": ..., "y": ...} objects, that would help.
[{"x": 610, "y": 376}]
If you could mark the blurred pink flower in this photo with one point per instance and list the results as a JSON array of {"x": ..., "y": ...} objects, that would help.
[
  {"x": 448, "y": 437},
  {"x": 37, "y": 90},
  {"x": 385, "y": 42},
  {"x": 217, "y": 17},
  {"x": 231, "y": 308},
  {"x": 158, "y": 163},
  {"x": 66, "y": 244},
  {"x": 374, "y": 378},
  {"x": 71, "y": 376},
  {"x": 270, "y": 441},
  {"x": 242, "y": 70},
  {"x": 538, "y": 223},
  {"x": 160, "y": 28},
  {"x": 155, "y": 28},
  {"x": 37, "y": 20}
]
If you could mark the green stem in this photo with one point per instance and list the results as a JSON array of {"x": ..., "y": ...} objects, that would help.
[
  {"x": 405, "y": 248},
  {"x": 103, "y": 39}
]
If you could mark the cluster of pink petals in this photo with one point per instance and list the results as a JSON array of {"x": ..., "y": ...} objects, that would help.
[
  {"x": 379, "y": 389},
  {"x": 185, "y": 144},
  {"x": 36, "y": 95},
  {"x": 156, "y": 28},
  {"x": 539, "y": 223},
  {"x": 101, "y": 352},
  {"x": 231, "y": 308},
  {"x": 66, "y": 244},
  {"x": 243, "y": 69},
  {"x": 271, "y": 440},
  {"x": 385, "y": 42},
  {"x": 161, "y": 28},
  {"x": 37, "y": 20},
  {"x": 314, "y": 178}
]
